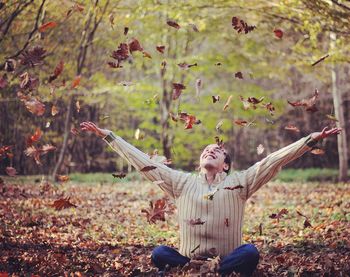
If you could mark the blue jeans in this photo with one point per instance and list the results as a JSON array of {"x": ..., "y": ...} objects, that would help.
[{"x": 243, "y": 259}]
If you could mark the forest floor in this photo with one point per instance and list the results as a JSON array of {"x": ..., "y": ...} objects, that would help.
[{"x": 106, "y": 234}]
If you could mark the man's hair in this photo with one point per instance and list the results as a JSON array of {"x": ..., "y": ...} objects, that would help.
[{"x": 228, "y": 162}]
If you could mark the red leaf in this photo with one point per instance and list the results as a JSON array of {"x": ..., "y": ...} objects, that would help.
[
  {"x": 58, "y": 70},
  {"x": 134, "y": 45},
  {"x": 47, "y": 25},
  {"x": 35, "y": 137},
  {"x": 160, "y": 48},
  {"x": 278, "y": 33},
  {"x": 173, "y": 24},
  {"x": 62, "y": 203},
  {"x": 177, "y": 90},
  {"x": 188, "y": 119}
]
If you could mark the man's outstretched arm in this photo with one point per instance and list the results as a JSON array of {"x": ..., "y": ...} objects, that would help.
[
  {"x": 263, "y": 171},
  {"x": 169, "y": 180}
]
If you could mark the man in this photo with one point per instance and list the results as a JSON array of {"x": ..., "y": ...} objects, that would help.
[{"x": 210, "y": 216}]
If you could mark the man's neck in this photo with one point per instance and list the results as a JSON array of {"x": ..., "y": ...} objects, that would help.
[{"x": 209, "y": 176}]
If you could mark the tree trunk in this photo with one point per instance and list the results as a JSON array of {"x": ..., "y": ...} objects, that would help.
[{"x": 339, "y": 113}]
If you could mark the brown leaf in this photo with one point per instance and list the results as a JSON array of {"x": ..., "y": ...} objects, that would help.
[
  {"x": 280, "y": 214},
  {"x": 218, "y": 63},
  {"x": 54, "y": 110},
  {"x": 10, "y": 65},
  {"x": 320, "y": 60},
  {"x": 47, "y": 148},
  {"x": 62, "y": 203},
  {"x": 227, "y": 103},
  {"x": 62, "y": 178},
  {"x": 148, "y": 168},
  {"x": 307, "y": 223},
  {"x": 215, "y": 98},
  {"x": 4, "y": 150},
  {"x": 33, "y": 152},
  {"x": 278, "y": 33},
  {"x": 194, "y": 27},
  {"x": 126, "y": 30},
  {"x": 177, "y": 90},
  {"x": 173, "y": 24},
  {"x": 240, "y": 122},
  {"x": 194, "y": 222},
  {"x": 33, "y": 56},
  {"x": 254, "y": 100},
  {"x": 241, "y": 26},
  {"x": 121, "y": 54},
  {"x": 292, "y": 128},
  {"x": 134, "y": 45},
  {"x": 317, "y": 151},
  {"x": 218, "y": 125},
  {"x": 239, "y": 75},
  {"x": 47, "y": 25},
  {"x": 156, "y": 211},
  {"x": 35, "y": 106},
  {"x": 10, "y": 171},
  {"x": 185, "y": 65},
  {"x": 308, "y": 104},
  {"x": 28, "y": 82},
  {"x": 58, "y": 70},
  {"x": 146, "y": 54},
  {"x": 120, "y": 175},
  {"x": 188, "y": 119},
  {"x": 270, "y": 108},
  {"x": 160, "y": 48}
]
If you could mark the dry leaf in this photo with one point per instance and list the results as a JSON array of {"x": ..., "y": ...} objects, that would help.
[
  {"x": 317, "y": 151},
  {"x": 47, "y": 25},
  {"x": 54, "y": 110},
  {"x": 62, "y": 203},
  {"x": 278, "y": 33},
  {"x": 260, "y": 149},
  {"x": 227, "y": 103}
]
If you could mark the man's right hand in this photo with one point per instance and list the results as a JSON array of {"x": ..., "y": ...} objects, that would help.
[{"x": 92, "y": 127}]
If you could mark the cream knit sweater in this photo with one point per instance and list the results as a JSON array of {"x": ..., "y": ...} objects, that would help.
[{"x": 220, "y": 209}]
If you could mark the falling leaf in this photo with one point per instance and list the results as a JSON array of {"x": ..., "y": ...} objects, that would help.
[
  {"x": 10, "y": 65},
  {"x": 234, "y": 187},
  {"x": 215, "y": 98},
  {"x": 28, "y": 82},
  {"x": 260, "y": 149},
  {"x": 62, "y": 178},
  {"x": 134, "y": 45},
  {"x": 33, "y": 57},
  {"x": 177, "y": 90},
  {"x": 278, "y": 33},
  {"x": 194, "y": 222},
  {"x": 218, "y": 63},
  {"x": 317, "y": 151},
  {"x": 121, "y": 54},
  {"x": 76, "y": 82},
  {"x": 270, "y": 108},
  {"x": 260, "y": 229},
  {"x": 240, "y": 122},
  {"x": 188, "y": 119},
  {"x": 54, "y": 110},
  {"x": 156, "y": 211},
  {"x": 35, "y": 137},
  {"x": 307, "y": 223},
  {"x": 111, "y": 20},
  {"x": 320, "y": 60},
  {"x": 160, "y": 48},
  {"x": 279, "y": 215},
  {"x": 173, "y": 24},
  {"x": 120, "y": 175},
  {"x": 308, "y": 104},
  {"x": 240, "y": 26},
  {"x": 198, "y": 87},
  {"x": 4, "y": 150},
  {"x": 35, "y": 152},
  {"x": 239, "y": 75},
  {"x": 62, "y": 203},
  {"x": 254, "y": 100},
  {"x": 10, "y": 171},
  {"x": 58, "y": 70},
  {"x": 185, "y": 65},
  {"x": 194, "y": 27},
  {"x": 246, "y": 104},
  {"x": 47, "y": 25},
  {"x": 227, "y": 103},
  {"x": 148, "y": 168},
  {"x": 77, "y": 105},
  {"x": 292, "y": 128},
  {"x": 146, "y": 54},
  {"x": 47, "y": 148},
  {"x": 138, "y": 134},
  {"x": 126, "y": 30},
  {"x": 219, "y": 141},
  {"x": 332, "y": 117},
  {"x": 35, "y": 106},
  {"x": 75, "y": 8},
  {"x": 218, "y": 125}
]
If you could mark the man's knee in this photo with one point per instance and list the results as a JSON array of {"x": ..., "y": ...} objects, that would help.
[{"x": 252, "y": 253}]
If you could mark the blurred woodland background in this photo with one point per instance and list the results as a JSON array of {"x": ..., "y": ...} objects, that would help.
[{"x": 149, "y": 69}]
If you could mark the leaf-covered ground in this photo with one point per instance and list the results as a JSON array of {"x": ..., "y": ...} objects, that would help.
[{"x": 108, "y": 235}]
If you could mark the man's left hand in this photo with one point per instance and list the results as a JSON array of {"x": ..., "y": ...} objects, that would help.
[{"x": 326, "y": 132}]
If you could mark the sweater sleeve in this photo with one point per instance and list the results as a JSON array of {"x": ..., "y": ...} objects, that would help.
[
  {"x": 169, "y": 180},
  {"x": 263, "y": 171}
]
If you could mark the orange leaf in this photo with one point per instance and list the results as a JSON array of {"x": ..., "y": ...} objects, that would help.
[
  {"x": 54, "y": 110},
  {"x": 317, "y": 151},
  {"x": 76, "y": 82},
  {"x": 47, "y": 25},
  {"x": 63, "y": 178},
  {"x": 62, "y": 203}
]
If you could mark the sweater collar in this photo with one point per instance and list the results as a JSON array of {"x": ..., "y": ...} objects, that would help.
[{"x": 219, "y": 177}]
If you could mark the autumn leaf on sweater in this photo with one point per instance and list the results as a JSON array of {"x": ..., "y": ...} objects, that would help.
[
  {"x": 148, "y": 168},
  {"x": 62, "y": 203},
  {"x": 234, "y": 187},
  {"x": 194, "y": 222}
]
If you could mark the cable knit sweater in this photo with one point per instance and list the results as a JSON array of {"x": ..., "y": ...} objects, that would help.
[{"x": 220, "y": 209}]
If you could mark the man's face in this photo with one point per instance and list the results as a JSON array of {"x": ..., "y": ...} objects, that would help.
[{"x": 213, "y": 157}]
